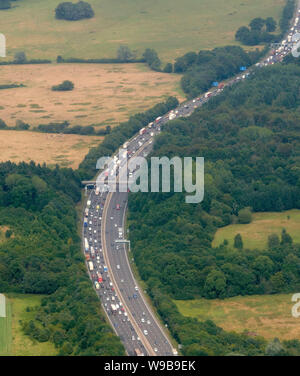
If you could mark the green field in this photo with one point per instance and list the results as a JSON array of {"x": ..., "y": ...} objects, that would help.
[
  {"x": 266, "y": 315},
  {"x": 5, "y": 331},
  {"x": 12, "y": 339},
  {"x": 255, "y": 234},
  {"x": 172, "y": 27}
]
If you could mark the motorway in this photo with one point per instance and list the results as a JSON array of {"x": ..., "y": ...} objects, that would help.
[{"x": 104, "y": 237}]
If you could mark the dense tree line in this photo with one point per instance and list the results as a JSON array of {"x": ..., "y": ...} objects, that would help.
[
  {"x": 201, "y": 69},
  {"x": 249, "y": 138},
  {"x": 287, "y": 15},
  {"x": 42, "y": 255},
  {"x": 62, "y": 128},
  {"x": 259, "y": 31}
]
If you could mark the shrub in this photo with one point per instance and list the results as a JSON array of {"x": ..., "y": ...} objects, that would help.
[
  {"x": 21, "y": 125},
  {"x": 245, "y": 216},
  {"x": 74, "y": 11},
  {"x": 152, "y": 59},
  {"x": 2, "y": 124},
  {"x": 168, "y": 68},
  {"x": 238, "y": 242},
  {"x": 5, "y": 4},
  {"x": 20, "y": 57},
  {"x": 125, "y": 53},
  {"x": 64, "y": 86}
]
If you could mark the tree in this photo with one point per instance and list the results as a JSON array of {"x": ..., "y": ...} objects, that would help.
[
  {"x": 168, "y": 68},
  {"x": 285, "y": 238},
  {"x": 152, "y": 59},
  {"x": 263, "y": 266},
  {"x": 270, "y": 24},
  {"x": 274, "y": 348},
  {"x": 2, "y": 124},
  {"x": 273, "y": 241},
  {"x": 64, "y": 86},
  {"x": 20, "y": 57},
  {"x": 125, "y": 53},
  {"x": 5, "y": 4},
  {"x": 73, "y": 12},
  {"x": 245, "y": 216},
  {"x": 242, "y": 34},
  {"x": 21, "y": 125},
  {"x": 215, "y": 284},
  {"x": 8, "y": 234},
  {"x": 257, "y": 24},
  {"x": 238, "y": 241}
]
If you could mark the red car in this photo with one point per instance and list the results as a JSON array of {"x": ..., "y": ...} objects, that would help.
[{"x": 118, "y": 207}]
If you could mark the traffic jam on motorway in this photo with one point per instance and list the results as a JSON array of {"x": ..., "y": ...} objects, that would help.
[{"x": 123, "y": 303}]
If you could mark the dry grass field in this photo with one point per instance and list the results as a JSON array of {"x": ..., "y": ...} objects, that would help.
[
  {"x": 266, "y": 315},
  {"x": 103, "y": 94},
  {"x": 64, "y": 150}
]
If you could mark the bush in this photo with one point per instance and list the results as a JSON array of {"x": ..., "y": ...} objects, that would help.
[
  {"x": 2, "y": 124},
  {"x": 21, "y": 125},
  {"x": 20, "y": 57},
  {"x": 238, "y": 242},
  {"x": 64, "y": 86},
  {"x": 168, "y": 68},
  {"x": 152, "y": 59},
  {"x": 5, "y": 4},
  {"x": 245, "y": 216},
  {"x": 125, "y": 53},
  {"x": 74, "y": 12}
]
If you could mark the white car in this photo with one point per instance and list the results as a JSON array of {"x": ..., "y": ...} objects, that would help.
[
  {"x": 155, "y": 349},
  {"x": 146, "y": 332},
  {"x": 133, "y": 338},
  {"x": 136, "y": 288},
  {"x": 143, "y": 320},
  {"x": 118, "y": 267},
  {"x": 148, "y": 322}
]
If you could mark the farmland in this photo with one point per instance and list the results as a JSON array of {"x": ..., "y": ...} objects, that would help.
[
  {"x": 172, "y": 27},
  {"x": 103, "y": 95},
  {"x": 266, "y": 315},
  {"x": 64, "y": 150},
  {"x": 255, "y": 234}
]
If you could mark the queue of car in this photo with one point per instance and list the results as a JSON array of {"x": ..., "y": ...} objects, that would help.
[{"x": 93, "y": 212}]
